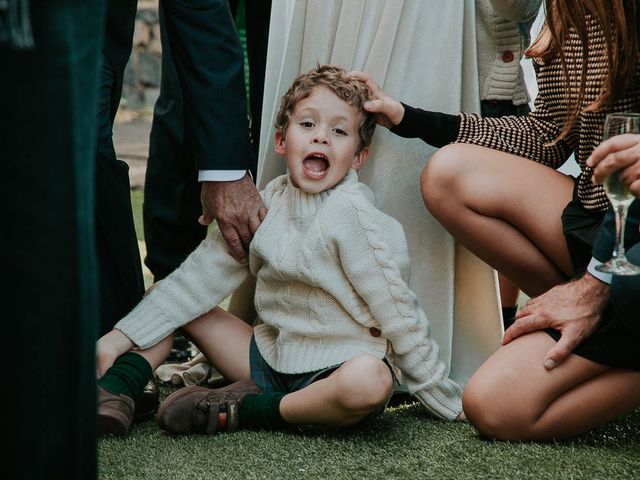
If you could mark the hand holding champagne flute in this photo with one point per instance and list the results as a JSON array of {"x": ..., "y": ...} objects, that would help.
[{"x": 618, "y": 181}]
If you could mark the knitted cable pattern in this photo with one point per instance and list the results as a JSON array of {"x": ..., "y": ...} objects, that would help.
[
  {"x": 401, "y": 320},
  {"x": 328, "y": 270}
]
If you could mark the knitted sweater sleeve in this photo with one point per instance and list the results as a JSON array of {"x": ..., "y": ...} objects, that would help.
[
  {"x": 207, "y": 276},
  {"x": 368, "y": 261}
]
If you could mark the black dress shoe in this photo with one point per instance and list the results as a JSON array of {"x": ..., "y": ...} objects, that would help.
[
  {"x": 180, "y": 350},
  {"x": 146, "y": 405}
]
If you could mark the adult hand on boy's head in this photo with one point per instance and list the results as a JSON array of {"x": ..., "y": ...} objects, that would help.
[
  {"x": 622, "y": 153},
  {"x": 389, "y": 111},
  {"x": 238, "y": 209}
]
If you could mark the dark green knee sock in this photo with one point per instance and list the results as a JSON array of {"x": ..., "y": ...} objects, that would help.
[
  {"x": 128, "y": 375},
  {"x": 261, "y": 411}
]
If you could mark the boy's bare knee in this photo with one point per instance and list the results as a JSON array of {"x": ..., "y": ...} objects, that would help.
[{"x": 366, "y": 384}]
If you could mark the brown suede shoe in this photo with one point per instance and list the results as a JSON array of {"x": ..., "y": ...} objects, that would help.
[
  {"x": 115, "y": 413},
  {"x": 204, "y": 410}
]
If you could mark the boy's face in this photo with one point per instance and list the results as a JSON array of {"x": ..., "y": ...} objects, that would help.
[{"x": 321, "y": 141}]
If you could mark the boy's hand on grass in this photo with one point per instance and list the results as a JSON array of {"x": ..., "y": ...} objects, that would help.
[
  {"x": 389, "y": 111},
  {"x": 572, "y": 308},
  {"x": 238, "y": 209}
]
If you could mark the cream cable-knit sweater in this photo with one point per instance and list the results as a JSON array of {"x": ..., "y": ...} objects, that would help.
[{"x": 329, "y": 268}]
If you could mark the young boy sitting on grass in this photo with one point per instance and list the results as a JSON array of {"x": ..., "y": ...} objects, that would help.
[{"x": 331, "y": 294}]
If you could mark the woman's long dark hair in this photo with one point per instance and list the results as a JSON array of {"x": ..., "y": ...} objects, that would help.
[{"x": 619, "y": 21}]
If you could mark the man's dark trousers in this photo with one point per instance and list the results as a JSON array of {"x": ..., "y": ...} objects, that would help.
[
  {"x": 120, "y": 267},
  {"x": 172, "y": 191},
  {"x": 49, "y": 287}
]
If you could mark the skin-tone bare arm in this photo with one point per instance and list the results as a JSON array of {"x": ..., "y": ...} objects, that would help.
[
  {"x": 572, "y": 308},
  {"x": 238, "y": 209},
  {"x": 109, "y": 347},
  {"x": 621, "y": 152}
]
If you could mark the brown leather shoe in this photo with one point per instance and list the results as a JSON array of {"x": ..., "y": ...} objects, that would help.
[
  {"x": 204, "y": 410},
  {"x": 115, "y": 413}
]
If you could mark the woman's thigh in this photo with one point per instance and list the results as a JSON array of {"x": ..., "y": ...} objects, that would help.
[
  {"x": 512, "y": 395},
  {"x": 526, "y": 195}
]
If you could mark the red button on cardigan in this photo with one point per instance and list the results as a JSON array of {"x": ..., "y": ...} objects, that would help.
[{"x": 507, "y": 56}]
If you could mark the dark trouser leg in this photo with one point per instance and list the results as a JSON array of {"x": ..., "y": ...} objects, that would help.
[
  {"x": 172, "y": 192},
  {"x": 258, "y": 15},
  {"x": 121, "y": 281},
  {"x": 50, "y": 299},
  {"x": 625, "y": 290}
]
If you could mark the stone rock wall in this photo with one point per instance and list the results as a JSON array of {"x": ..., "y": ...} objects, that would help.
[{"x": 142, "y": 74}]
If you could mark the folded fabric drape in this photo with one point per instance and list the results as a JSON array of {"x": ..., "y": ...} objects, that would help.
[{"x": 422, "y": 52}]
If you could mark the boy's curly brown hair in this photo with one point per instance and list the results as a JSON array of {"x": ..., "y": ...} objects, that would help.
[{"x": 336, "y": 79}]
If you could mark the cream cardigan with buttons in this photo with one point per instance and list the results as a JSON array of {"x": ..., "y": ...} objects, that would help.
[
  {"x": 503, "y": 35},
  {"x": 329, "y": 268}
]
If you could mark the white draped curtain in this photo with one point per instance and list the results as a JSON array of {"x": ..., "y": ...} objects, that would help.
[{"x": 422, "y": 52}]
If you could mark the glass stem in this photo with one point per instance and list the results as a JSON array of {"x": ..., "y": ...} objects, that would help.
[{"x": 621, "y": 220}]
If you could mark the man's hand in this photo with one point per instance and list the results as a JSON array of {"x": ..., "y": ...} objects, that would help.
[
  {"x": 238, "y": 209},
  {"x": 389, "y": 110},
  {"x": 572, "y": 308},
  {"x": 109, "y": 347},
  {"x": 621, "y": 152}
]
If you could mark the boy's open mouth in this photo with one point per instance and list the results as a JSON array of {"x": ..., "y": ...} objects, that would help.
[{"x": 316, "y": 165}]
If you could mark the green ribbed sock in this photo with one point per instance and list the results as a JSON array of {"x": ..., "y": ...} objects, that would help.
[
  {"x": 128, "y": 375},
  {"x": 509, "y": 316},
  {"x": 261, "y": 411}
]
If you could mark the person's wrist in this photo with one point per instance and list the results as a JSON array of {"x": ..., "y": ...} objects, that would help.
[
  {"x": 594, "y": 287},
  {"x": 398, "y": 114}
]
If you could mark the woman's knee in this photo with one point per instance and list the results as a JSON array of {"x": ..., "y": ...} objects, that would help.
[
  {"x": 494, "y": 412},
  {"x": 365, "y": 384},
  {"x": 440, "y": 180}
]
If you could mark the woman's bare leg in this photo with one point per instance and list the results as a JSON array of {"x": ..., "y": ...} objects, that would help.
[
  {"x": 513, "y": 397},
  {"x": 505, "y": 209},
  {"x": 224, "y": 339},
  {"x": 359, "y": 387}
]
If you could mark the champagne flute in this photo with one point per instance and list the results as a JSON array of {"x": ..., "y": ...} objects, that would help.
[{"x": 619, "y": 195}]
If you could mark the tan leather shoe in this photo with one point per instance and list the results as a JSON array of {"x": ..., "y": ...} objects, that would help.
[
  {"x": 204, "y": 410},
  {"x": 115, "y": 413}
]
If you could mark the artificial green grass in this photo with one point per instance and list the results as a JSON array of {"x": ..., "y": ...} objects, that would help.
[{"x": 402, "y": 443}]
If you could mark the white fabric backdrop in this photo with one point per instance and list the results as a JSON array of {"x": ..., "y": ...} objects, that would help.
[{"x": 421, "y": 52}]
